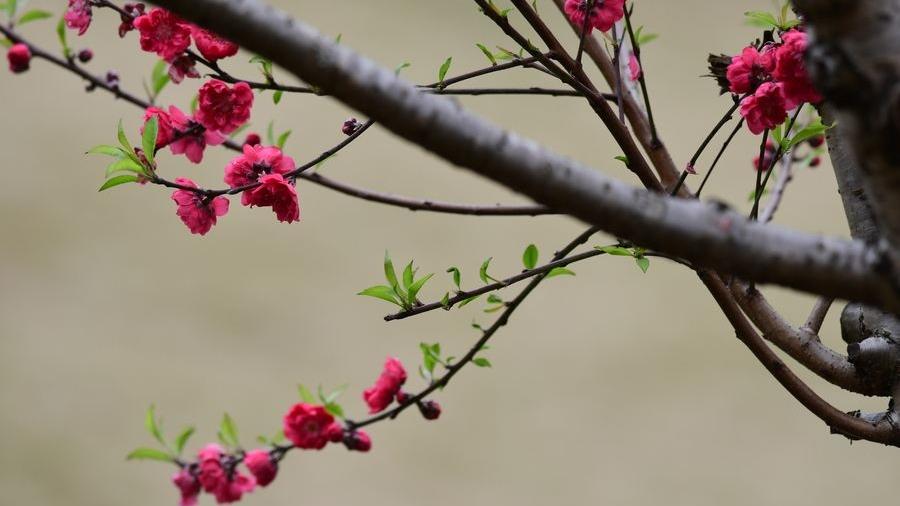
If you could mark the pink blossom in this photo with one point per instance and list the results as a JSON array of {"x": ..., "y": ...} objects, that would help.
[
  {"x": 215, "y": 479},
  {"x": 78, "y": 15},
  {"x": 388, "y": 384},
  {"x": 790, "y": 69},
  {"x": 231, "y": 490},
  {"x": 634, "y": 67},
  {"x": 431, "y": 410},
  {"x": 182, "y": 66},
  {"x": 765, "y": 109},
  {"x": 750, "y": 69},
  {"x": 163, "y": 33},
  {"x": 191, "y": 138},
  {"x": 261, "y": 466},
  {"x": 197, "y": 212},
  {"x": 188, "y": 486},
  {"x": 277, "y": 193},
  {"x": 211, "y": 46},
  {"x": 223, "y": 108},
  {"x": 19, "y": 57},
  {"x": 604, "y": 14},
  {"x": 256, "y": 161},
  {"x": 308, "y": 426}
]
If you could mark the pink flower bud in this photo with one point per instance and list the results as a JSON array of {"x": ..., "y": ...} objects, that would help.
[
  {"x": 85, "y": 55},
  {"x": 261, "y": 466},
  {"x": 431, "y": 410},
  {"x": 19, "y": 57},
  {"x": 357, "y": 441}
]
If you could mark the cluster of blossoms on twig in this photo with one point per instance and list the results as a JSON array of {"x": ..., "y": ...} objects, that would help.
[{"x": 311, "y": 424}]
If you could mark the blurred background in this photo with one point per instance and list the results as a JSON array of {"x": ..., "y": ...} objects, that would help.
[{"x": 613, "y": 387}]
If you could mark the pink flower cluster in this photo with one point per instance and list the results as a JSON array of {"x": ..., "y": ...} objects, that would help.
[
  {"x": 216, "y": 473},
  {"x": 169, "y": 36},
  {"x": 267, "y": 166},
  {"x": 603, "y": 13},
  {"x": 773, "y": 80}
]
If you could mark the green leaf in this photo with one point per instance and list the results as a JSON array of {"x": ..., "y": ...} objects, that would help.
[
  {"x": 116, "y": 181},
  {"x": 228, "y": 431},
  {"x": 123, "y": 139},
  {"x": 445, "y": 302},
  {"x": 335, "y": 394},
  {"x": 305, "y": 395},
  {"x": 148, "y": 139},
  {"x": 416, "y": 286},
  {"x": 494, "y": 299},
  {"x": 33, "y": 15},
  {"x": 408, "y": 275},
  {"x": 481, "y": 362},
  {"x": 61, "y": 35},
  {"x": 457, "y": 276},
  {"x": 442, "y": 72},
  {"x": 152, "y": 425},
  {"x": 195, "y": 103},
  {"x": 623, "y": 159},
  {"x": 402, "y": 66},
  {"x": 149, "y": 454},
  {"x": 465, "y": 302},
  {"x": 182, "y": 439},
  {"x": 615, "y": 251},
  {"x": 108, "y": 151},
  {"x": 335, "y": 409},
  {"x": 530, "y": 257},
  {"x": 487, "y": 53},
  {"x": 381, "y": 292},
  {"x": 270, "y": 134},
  {"x": 124, "y": 165},
  {"x": 265, "y": 66},
  {"x": 643, "y": 263},
  {"x": 814, "y": 129},
  {"x": 761, "y": 19},
  {"x": 159, "y": 77},
  {"x": 282, "y": 139},
  {"x": 559, "y": 271},
  {"x": 276, "y": 97},
  {"x": 483, "y": 271},
  {"x": 389, "y": 273}
]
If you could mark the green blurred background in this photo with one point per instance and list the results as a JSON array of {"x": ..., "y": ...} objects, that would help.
[{"x": 610, "y": 388}]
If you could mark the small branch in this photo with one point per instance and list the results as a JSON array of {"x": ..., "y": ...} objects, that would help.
[
  {"x": 635, "y": 46},
  {"x": 785, "y": 176},
  {"x": 709, "y": 137},
  {"x": 817, "y": 316},
  {"x": 463, "y": 295},
  {"x": 712, "y": 167}
]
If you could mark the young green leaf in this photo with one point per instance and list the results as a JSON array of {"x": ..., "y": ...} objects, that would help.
[
  {"x": 33, "y": 15},
  {"x": 152, "y": 425},
  {"x": 445, "y": 302},
  {"x": 116, "y": 181},
  {"x": 442, "y": 72},
  {"x": 61, "y": 35},
  {"x": 494, "y": 299},
  {"x": 159, "y": 77},
  {"x": 416, "y": 286},
  {"x": 761, "y": 19},
  {"x": 457, "y": 276},
  {"x": 481, "y": 362},
  {"x": 335, "y": 409},
  {"x": 305, "y": 395},
  {"x": 124, "y": 165},
  {"x": 149, "y": 454},
  {"x": 530, "y": 257},
  {"x": 559, "y": 271},
  {"x": 615, "y": 251},
  {"x": 643, "y": 263},
  {"x": 488, "y": 54},
  {"x": 182, "y": 439},
  {"x": 466, "y": 302},
  {"x": 408, "y": 275},
  {"x": 270, "y": 133},
  {"x": 276, "y": 97},
  {"x": 483, "y": 271},
  {"x": 148, "y": 139},
  {"x": 381, "y": 292},
  {"x": 389, "y": 274},
  {"x": 402, "y": 66},
  {"x": 282, "y": 139},
  {"x": 108, "y": 151},
  {"x": 228, "y": 431}
]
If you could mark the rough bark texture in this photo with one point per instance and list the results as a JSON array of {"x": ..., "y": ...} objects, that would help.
[{"x": 707, "y": 234}]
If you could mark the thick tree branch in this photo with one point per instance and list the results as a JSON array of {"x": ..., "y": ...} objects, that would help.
[{"x": 706, "y": 234}]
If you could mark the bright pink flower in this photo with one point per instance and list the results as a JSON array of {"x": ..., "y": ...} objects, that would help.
[
  {"x": 308, "y": 426},
  {"x": 165, "y": 131},
  {"x": 634, "y": 67},
  {"x": 358, "y": 441},
  {"x": 790, "y": 69},
  {"x": 604, "y": 14},
  {"x": 231, "y": 490},
  {"x": 765, "y": 109},
  {"x": 190, "y": 137},
  {"x": 182, "y": 66},
  {"x": 750, "y": 69},
  {"x": 261, "y": 466},
  {"x": 19, "y": 57},
  {"x": 212, "y": 474},
  {"x": 163, "y": 33},
  {"x": 196, "y": 211},
  {"x": 211, "y": 46},
  {"x": 223, "y": 108},
  {"x": 256, "y": 161},
  {"x": 279, "y": 194},
  {"x": 78, "y": 15},
  {"x": 188, "y": 486},
  {"x": 388, "y": 384},
  {"x": 335, "y": 432}
]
